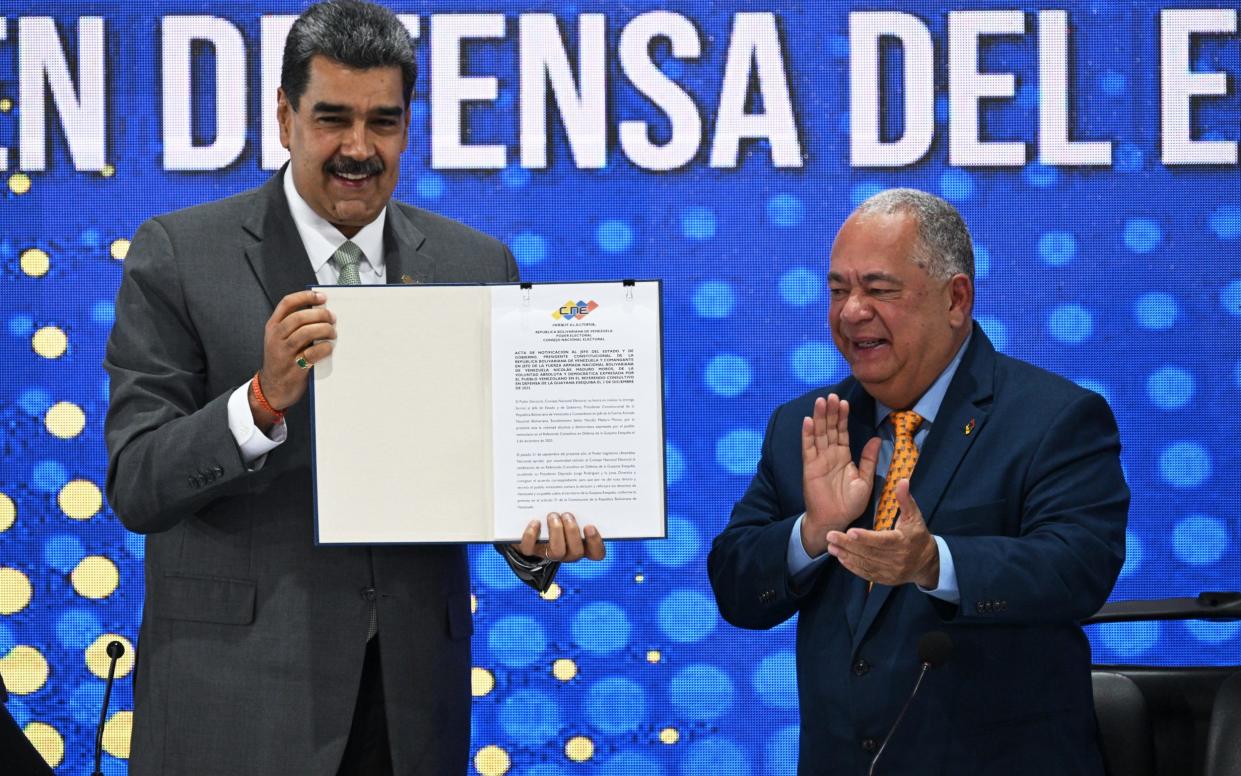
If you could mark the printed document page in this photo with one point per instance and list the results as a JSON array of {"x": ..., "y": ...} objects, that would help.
[{"x": 577, "y": 391}]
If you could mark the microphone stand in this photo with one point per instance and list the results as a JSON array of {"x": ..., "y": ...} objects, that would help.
[
  {"x": 926, "y": 665},
  {"x": 115, "y": 650}
]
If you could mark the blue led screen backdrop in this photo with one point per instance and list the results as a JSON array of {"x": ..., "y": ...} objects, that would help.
[{"x": 1092, "y": 149}]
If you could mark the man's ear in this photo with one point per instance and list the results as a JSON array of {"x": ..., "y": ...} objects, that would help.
[
  {"x": 960, "y": 300},
  {"x": 284, "y": 116},
  {"x": 405, "y": 135}
]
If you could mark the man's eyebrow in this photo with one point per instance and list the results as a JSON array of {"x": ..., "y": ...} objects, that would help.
[
  {"x": 869, "y": 277},
  {"x": 881, "y": 277},
  {"x": 387, "y": 111},
  {"x": 330, "y": 107}
]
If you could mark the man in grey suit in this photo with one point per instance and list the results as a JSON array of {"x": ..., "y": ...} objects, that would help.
[{"x": 259, "y": 652}]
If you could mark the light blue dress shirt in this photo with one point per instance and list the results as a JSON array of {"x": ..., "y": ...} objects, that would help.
[{"x": 802, "y": 566}]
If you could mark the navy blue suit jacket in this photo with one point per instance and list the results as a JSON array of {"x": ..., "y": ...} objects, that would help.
[{"x": 1032, "y": 504}]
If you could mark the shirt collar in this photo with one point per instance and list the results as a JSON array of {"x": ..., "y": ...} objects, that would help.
[
  {"x": 928, "y": 406},
  {"x": 321, "y": 239}
]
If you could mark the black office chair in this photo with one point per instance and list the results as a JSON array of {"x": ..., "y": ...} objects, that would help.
[
  {"x": 1224, "y": 735},
  {"x": 1170, "y": 721},
  {"x": 1125, "y": 730}
]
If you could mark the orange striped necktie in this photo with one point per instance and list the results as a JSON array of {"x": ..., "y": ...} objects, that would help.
[{"x": 904, "y": 458}]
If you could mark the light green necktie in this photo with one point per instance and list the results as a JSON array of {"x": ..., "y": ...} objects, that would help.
[{"x": 346, "y": 258}]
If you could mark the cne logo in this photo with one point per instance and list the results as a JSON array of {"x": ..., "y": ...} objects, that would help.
[{"x": 574, "y": 311}]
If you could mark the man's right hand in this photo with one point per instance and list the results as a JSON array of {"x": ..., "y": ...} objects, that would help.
[
  {"x": 836, "y": 490},
  {"x": 296, "y": 329}
]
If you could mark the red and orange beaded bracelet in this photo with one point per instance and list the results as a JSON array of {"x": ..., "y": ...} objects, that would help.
[{"x": 257, "y": 390}]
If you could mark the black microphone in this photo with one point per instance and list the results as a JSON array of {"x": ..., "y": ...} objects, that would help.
[
  {"x": 934, "y": 649},
  {"x": 115, "y": 650}
]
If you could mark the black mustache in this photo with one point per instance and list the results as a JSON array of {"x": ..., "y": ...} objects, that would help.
[{"x": 343, "y": 165}]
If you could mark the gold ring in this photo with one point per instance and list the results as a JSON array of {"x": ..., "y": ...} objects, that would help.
[{"x": 302, "y": 363}]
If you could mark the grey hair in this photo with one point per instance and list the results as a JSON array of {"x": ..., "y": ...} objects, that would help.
[
  {"x": 944, "y": 245},
  {"x": 355, "y": 33}
]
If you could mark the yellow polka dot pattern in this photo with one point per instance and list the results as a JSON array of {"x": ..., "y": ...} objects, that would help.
[
  {"x": 95, "y": 577},
  {"x": 482, "y": 682},
  {"x": 19, "y": 183},
  {"x": 119, "y": 249},
  {"x": 653, "y": 656},
  {"x": 8, "y": 512},
  {"x": 491, "y": 760},
  {"x": 564, "y": 669},
  {"x": 473, "y": 604},
  {"x": 47, "y": 741},
  {"x": 551, "y": 593},
  {"x": 80, "y": 499},
  {"x": 64, "y": 420},
  {"x": 35, "y": 262},
  {"x": 97, "y": 659},
  {"x": 579, "y": 749},
  {"x": 116, "y": 734},
  {"x": 904, "y": 457},
  {"x": 14, "y": 591},
  {"x": 49, "y": 342},
  {"x": 669, "y": 735},
  {"x": 108, "y": 171},
  {"x": 24, "y": 669},
  {"x": 6, "y": 105}
]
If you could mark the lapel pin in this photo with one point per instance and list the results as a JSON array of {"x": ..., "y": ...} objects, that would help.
[
  {"x": 969, "y": 427},
  {"x": 406, "y": 279}
]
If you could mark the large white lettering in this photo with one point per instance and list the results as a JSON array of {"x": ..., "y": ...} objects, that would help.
[
  {"x": 1180, "y": 85},
  {"x": 1055, "y": 147},
  {"x": 685, "y": 136},
  {"x": 968, "y": 87},
  {"x": 451, "y": 90},
  {"x": 583, "y": 105},
  {"x": 42, "y": 67},
  {"x": 180, "y": 35},
  {"x": 866, "y": 146},
  {"x": 754, "y": 50}
]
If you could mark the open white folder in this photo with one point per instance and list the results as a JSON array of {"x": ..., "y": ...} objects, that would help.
[{"x": 460, "y": 413}]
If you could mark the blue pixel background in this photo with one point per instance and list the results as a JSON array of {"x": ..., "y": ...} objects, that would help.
[{"x": 1124, "y": 279}]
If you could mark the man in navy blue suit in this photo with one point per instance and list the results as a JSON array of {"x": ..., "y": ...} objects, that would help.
[{"x": 943, "y": 486}]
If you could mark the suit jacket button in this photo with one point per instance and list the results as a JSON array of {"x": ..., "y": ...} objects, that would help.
[
  {"x": 370, "y": 594},
  {"x": 218, "y": 471},
  {"x": 870, "y": 745},
  {"x": 979, "y": 607},
  {"x": 861, "y": 667}
]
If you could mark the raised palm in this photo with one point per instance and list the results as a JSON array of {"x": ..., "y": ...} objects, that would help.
[{"x": 836, "y": 490}]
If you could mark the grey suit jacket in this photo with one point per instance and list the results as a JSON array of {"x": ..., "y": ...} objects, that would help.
[{"x": 252, "y": 639}]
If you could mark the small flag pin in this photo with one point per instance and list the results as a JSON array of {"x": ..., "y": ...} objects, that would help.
[{"x": 969, "y": 427}]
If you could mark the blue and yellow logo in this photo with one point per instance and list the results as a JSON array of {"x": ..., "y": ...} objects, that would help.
[{"x": 574, "y": 311}]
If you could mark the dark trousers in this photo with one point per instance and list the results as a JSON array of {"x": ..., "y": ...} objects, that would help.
[{"x": 367, "y": 752}]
